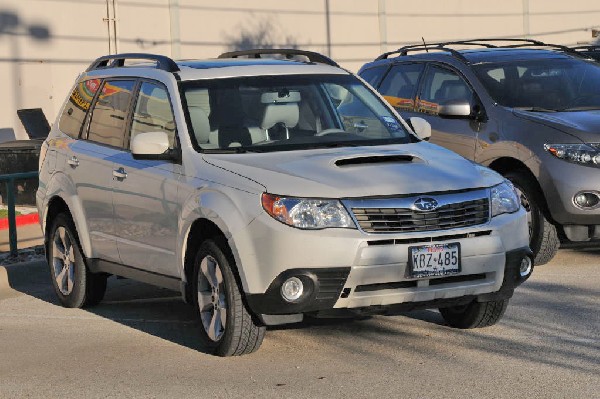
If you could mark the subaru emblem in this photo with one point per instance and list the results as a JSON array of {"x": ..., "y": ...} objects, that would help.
[{"x": 425, "y": 204}]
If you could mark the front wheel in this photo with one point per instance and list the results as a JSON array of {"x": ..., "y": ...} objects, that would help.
[
  {"x": 543, "y": 238},
  {"x": 228, "y": 329},
  {"x": 475, "y": 314}
]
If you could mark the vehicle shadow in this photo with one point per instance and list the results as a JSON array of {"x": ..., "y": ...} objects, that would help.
[{"x": 543, "y": 325}]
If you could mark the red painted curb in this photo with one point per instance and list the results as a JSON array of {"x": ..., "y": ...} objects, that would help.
[{"x": 22, "y": 220}]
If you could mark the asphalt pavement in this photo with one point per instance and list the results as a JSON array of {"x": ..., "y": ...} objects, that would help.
[{"x": 141, "y": 342}]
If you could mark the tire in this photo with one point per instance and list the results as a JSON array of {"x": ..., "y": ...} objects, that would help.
[
  {"x": 543, "y": 237},
  {"x": 474, "y": 315},
  {"x": 228, "y": 328},
  {"x": 74, "y": 284}
]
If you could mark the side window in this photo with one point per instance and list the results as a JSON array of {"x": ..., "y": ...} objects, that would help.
[
  {"x": 77, "y": 106},
  {"x": 153, "y": 112},
  {"x": 109, "y": 115},
  {"x": 373, "y": 75},
  {"x": 400, "y": 86},
  {"x": 440, "y": 86}
]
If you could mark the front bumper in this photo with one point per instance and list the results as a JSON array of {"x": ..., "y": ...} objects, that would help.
[
  {"x": 561, "y": 181},
  {"x": 330, "y": 290},
  {"x": 357, "y": 270}
]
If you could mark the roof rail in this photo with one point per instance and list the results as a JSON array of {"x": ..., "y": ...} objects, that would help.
[
  {"x": 487, "y": 43},
  {"x": 118, "y": 60},
  {"x": 587, "y": 47},
  {"x": 287, "y": 53}
]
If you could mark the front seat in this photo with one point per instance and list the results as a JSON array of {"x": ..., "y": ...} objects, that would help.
[
  {"x": 228, "y": 115},
  {"x": 281, "y": 114}
]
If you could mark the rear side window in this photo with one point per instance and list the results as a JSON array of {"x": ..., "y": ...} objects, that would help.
[
  {"x": 153, "y": 112},
  {"x": 373, "y": 75},
  {"x": 77, "y": 106},
  {"x": 400, "y": 85},
  {"x": 109, "y": 115}
]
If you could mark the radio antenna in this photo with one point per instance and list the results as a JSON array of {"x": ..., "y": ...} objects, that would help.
[{"x": 424, "y": 44}]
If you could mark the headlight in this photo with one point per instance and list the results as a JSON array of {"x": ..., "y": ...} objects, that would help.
[
  {"x": 307, "y": 213},
  {"x": 504, "y": 199},
  {"x": 583, "y": 154}
]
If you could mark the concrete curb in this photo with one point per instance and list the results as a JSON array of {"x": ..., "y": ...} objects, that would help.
[
  {"x": 19, "y": 272},
  {"x": 5, "y": 290}
]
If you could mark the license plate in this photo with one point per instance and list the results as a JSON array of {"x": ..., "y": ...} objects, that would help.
[{"x": 434, "y": 260}]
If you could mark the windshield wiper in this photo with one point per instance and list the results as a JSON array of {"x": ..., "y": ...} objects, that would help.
[
  {"x": 536, "y": 109},
  {"x": 230, "y": 150},
  {"x": 583, "y": 108}
]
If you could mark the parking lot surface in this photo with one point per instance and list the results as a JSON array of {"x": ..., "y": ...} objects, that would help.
[{"x": 141, "y": 342}]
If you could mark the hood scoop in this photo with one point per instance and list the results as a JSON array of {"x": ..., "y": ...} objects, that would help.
[{"x": 376, "y": 159}]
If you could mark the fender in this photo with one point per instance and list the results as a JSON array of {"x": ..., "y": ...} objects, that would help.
[
  {"x": 61, "y": 185},
  {"x": 215, "y": 205}
]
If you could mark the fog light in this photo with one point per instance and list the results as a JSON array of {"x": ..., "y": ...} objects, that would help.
[
  {"x": 525, "y": 267},
  {"x": 292, "y": 289},
  {"x": 586, "y": 200}
]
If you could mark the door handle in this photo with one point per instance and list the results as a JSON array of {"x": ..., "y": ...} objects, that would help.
[
  {"x": 360, "y": 126},
  {"x": 120, "y": 174},
  {"x": 74, "y": 162}
]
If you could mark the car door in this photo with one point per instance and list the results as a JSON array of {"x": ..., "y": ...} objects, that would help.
[
  {"x": 90, "y": 163},
  {"x": 145, "y": 191}
]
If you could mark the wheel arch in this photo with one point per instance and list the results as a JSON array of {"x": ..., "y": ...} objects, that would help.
[
  {"x": 507, "y": 164},
  {"x": 200, "y": 230}
]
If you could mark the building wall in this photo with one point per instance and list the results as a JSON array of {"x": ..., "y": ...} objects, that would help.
[{"x": 44, "y": 44}]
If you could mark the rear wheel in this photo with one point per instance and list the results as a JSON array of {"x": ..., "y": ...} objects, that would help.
[
  {"x": 475, "y": 314},
  {"x": 543, "y": 238},
  {"x": 228, "y": 328},
  {"x": 74, "y": 284}
]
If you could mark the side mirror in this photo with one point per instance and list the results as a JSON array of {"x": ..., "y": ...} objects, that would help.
[
  {"x": 151, "y": 145},
  {"x": 455, "y": 109},
  {"x": 421, "y": 127}
]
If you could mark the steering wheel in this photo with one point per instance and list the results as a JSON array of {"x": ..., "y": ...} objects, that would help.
[{"x": 330, "y": 131}]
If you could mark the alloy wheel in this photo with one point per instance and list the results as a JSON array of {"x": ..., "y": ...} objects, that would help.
[
  {"x": 212, "y": 301},
  {"x": 63, "y": 260}
]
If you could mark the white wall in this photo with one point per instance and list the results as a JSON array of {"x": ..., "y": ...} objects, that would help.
[{"x": 44, "y": 44}]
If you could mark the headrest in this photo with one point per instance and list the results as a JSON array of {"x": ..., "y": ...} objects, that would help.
[
  {"x": 200, "y": 124},
  {"x": 288, "y": 114},
  {"x": 278, "y": 97}
]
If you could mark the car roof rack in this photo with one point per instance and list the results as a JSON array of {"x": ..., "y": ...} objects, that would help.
[
  {"x": 587, "y": 47},
  {"x": 487, "y": 43},
  {"x": 288, "y": 53},
  {"x": 118, "y": 60}
]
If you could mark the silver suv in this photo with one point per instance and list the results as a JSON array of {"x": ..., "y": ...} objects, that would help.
[
  {"x": 528, "y": 110},
  {"x": 244, "y": 184}
]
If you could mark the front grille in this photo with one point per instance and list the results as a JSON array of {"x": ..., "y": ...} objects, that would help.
[{"x": 402, "y": 220}]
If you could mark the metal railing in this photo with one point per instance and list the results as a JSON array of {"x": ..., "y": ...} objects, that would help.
[{"x": 10, "y": 194}]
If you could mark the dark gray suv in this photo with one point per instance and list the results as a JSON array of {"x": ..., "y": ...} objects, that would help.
[{"x": 528, "y": 110}]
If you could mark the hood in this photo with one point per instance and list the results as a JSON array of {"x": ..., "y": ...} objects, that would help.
[
  {"x": 582, "y": 125},
  {"x": 358, "y": 171}
]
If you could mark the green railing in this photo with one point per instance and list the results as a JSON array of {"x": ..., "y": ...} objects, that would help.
[{"x": 10, "y": 193}]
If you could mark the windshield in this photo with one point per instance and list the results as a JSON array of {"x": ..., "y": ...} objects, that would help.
[
  {"x": 543, "y": 85},
  {"x": 277, "y": 113}
]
